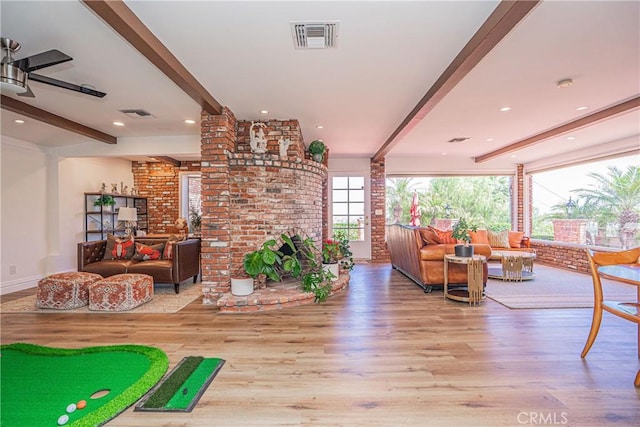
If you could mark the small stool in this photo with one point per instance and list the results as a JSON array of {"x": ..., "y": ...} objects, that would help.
[
  {"x": 65, "y": 291},
  {"x": 121, "y": 292}
]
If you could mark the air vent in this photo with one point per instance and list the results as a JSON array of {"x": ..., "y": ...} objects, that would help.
[
  {"x": 138, "y": 113},
  {"x": 459, "y": 139},
  {"x": 314, "y": 35}
]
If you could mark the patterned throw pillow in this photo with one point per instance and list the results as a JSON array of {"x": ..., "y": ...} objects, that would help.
[
  {"x": 145, "y": 252},
  {"x": 168, "y": 248},
  {"x": 118, "y": 248},
  {"x": 499, "y": 240}
]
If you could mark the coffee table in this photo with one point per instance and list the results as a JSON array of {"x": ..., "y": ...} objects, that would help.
[{"x": 525, "y": 271}]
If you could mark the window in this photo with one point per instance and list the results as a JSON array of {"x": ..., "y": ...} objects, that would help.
[
  {"x": 597, "y": 203},
  {"x": 190, "y": 199},
  {"x": 348, "y": 209}
]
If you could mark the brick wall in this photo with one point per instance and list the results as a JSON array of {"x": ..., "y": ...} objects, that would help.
[
  {"x": 562, "y": 255},
  {"x": 570, "y": 231},
  {"x": 160, "y": 183},
  {"x": 379, "y": 251},
  {"x": 249, "y": 198}
]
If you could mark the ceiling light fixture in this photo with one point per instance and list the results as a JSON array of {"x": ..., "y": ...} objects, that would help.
[
  {"x": 319, "y": 127},
  {"x": 118, "y": 124},
  {"x": 584, "y": 107},
  {"x": 571, "y": 138},
  {"x": 18, "y": 121},
  {"x": 489, "y": 139},
  {"x": 264, "y": 112},
  {"x": 503, "y": 109},
  {"x": 190, "y": 122},
  {"x": 564, "y": 83}
]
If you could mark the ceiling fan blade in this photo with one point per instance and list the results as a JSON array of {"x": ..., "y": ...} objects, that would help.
[
  {"x": 41, "y": 60},
  {"x": 28, "y": 93},
  {"x": 65, "y": 85}
]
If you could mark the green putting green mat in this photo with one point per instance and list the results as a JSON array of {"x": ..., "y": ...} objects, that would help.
[
  {"x": 183, "y": 387},
  {"x": 45, "y": 386}
]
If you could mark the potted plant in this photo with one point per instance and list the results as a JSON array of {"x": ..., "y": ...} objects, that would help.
[
  {"x": 268, "y": 262},
  {"x": 317, "y": 149},
  {"x": 330, "y": 256},
  {"x": 106, "y": 201},
  {"x": 195, "y": 220},
  {"x": 346, "y": 262},
  {"x": 461, "y": 234}
]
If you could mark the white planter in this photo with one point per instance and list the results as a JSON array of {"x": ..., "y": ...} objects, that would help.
[
  {"x": 241, "y": 287},
  {"x": 333, "y": 268}
]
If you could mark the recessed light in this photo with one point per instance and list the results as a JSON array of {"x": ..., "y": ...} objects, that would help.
[
  {"x": 489, "y": 139},
  {"x": 444, "y": 154},
  {"x": 18, "y": 121},
  {"x": 564, "y": 83},
  {"x": 505, "y": 109},
  {"x": 513, "y": 155},
  {"x": 319, "y": 127},
  {"x": 264, "y": 112},
  {"x": 571, "y": 138},
  {"x": 118, "y": 124},
  {"x": 584, "y": 107},
  {"x": 190, "y": 122}
]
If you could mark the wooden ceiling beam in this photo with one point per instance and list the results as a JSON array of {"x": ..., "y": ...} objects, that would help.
[
  {"x": 30, "y": 111},
  {"x": 582, "y": 122},
  {"x": 169, "y": 160},
  {"x": 501, "y": 21},
  {"x": 116, "y": 14}
]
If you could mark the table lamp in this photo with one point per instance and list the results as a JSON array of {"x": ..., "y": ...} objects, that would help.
[{"x": 130, "y": 217}]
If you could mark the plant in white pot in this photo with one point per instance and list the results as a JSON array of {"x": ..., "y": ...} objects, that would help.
[{"x": 461, "y": 234}]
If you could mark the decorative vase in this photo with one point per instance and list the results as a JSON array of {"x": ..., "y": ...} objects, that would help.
[
  {"x": 318, "y": 157},
  {"x": 463, "y": 251},
  {"x": 334, "y": 268},
  {"x": 241, "y": 287}
]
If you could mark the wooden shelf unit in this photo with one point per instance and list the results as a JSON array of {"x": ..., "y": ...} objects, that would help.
[{"x": 102, "y": 220}]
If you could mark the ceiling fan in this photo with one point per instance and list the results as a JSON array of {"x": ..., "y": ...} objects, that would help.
[{"x": 15, "y": 73}]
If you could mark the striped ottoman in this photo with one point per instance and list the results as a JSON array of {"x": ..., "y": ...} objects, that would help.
[
  {"x": 65, "y": 291},
  {"x": 121, "y": 292}
]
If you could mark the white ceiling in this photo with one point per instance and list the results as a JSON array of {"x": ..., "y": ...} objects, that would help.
[{"x": 388, "y": 55}]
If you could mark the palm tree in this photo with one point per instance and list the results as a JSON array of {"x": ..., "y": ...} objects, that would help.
[
  {"x": 399, "y": 195},
  {"x": 615, "y": 197}
]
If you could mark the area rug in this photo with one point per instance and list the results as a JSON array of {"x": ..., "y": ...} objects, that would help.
[
  {"x": 555, "y": 288},
  {"x": 181, "y": 390},
  {"x": 165, "y": 300},
  {"x": 74, "y": 387}
]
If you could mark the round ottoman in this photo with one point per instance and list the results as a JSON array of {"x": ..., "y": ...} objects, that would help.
[
  {"x": 121, "y": 292},
  {"x": 65, "y": 291}
]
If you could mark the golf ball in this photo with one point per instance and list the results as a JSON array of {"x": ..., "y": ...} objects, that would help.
[
  {"x": 71, "y": 408},
  {"x": 63, "y": 420}
]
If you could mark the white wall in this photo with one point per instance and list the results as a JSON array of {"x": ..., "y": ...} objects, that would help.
[{"x": 41, "y": 209}]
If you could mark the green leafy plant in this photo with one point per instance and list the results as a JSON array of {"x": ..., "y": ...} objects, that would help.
[
  {"x": 461, "y": 231},
  {"x": 195, "y": 219},
  {"x": 270, "y": 262},
  {"x": 331, "y": 251},
  {"x": 317, "y": 147},
  {"x": 346, "y": 263},
  {"x": 319, "y": 282},
  {"x": 104, "y": 200}
]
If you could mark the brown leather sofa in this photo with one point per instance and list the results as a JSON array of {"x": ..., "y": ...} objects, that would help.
[
  {"x": 424, "y": 264},
  {"x": 185, "y": 262}
]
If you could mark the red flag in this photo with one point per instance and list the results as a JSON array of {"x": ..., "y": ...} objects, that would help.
[{"x": 415, "y": 211}]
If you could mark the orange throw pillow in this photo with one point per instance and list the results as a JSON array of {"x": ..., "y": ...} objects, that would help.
[
  {"x": 479, "y": 236},
  {"x": 429, "y": 236},
  {"x": 515, "y": 237},
  {"x": 445, "y": 236}
]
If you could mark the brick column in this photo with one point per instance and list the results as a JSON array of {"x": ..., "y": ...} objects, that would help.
[
  {"x": 379, "y": 251},
  {"x": 519, "y": 220},
  {"x": 218, "y": 137}
]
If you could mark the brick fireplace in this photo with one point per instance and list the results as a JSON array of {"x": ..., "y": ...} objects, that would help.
[{"x": 248, "y": 198}]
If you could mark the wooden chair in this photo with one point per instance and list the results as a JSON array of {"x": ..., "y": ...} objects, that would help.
[
  {"x": 475, "y": 275},
  {"x": 512, "y": 268},
  {"x": 627, "y": 310}
]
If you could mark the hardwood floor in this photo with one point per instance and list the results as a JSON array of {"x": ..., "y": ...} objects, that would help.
[{"x": 382, "y": 353}]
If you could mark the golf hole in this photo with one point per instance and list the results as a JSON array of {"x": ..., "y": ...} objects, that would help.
[{"x": 100, "y": 393}]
